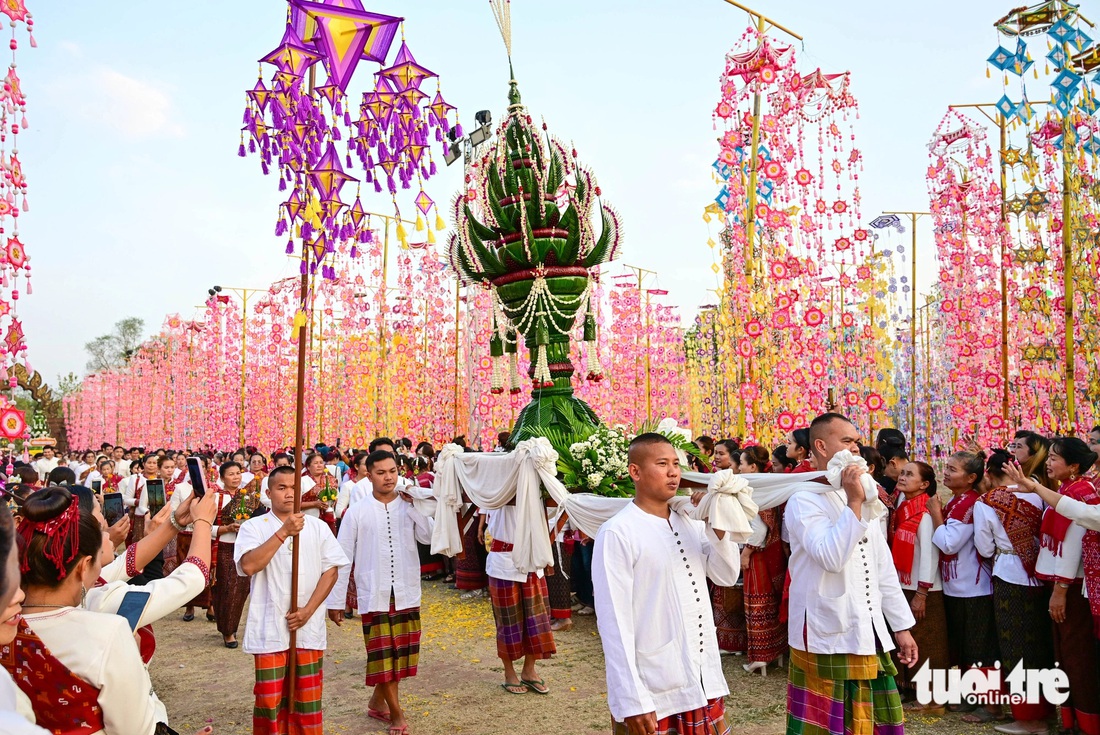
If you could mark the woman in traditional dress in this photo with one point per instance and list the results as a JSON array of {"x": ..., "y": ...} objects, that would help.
[
  {"x": 230, "y": 590},
  {"x": 728, "y": 603},
  {"x": 105, "y": 475},
  {"x": 88, "y": 660},
  {"x": 320, "y": 499},
  {"x": 917, "y": 561},
  {"x": 257, "y": 465},
  {"x": 1060, "y": 564},
  {"x": 1006, "y": 527},
  {"x": 1031, "y": 451},
  {"x": 764, "y": 568},
  {"x": 967, "y": 582},
  {"x": 798, "y": 450}
]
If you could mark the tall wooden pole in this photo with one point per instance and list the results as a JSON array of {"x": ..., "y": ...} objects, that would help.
[{"x": 299, "y": 446}]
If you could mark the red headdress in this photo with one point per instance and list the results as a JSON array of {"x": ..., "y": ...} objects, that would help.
[{"x": 62, "y": 537}]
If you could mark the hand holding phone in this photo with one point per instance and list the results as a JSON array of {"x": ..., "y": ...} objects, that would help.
[
  {"x": 132, "y": 606},
  {"x": 195, "y": 475},
  {"x": 113, "y": 508}
]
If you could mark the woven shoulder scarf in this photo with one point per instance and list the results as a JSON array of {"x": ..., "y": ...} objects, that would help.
[
  {"x": 1055, "y": 525},
  {"x": 959, "y": 508},
  {"x": 903, "y": 534},
  {"x": 1021, "y": 521}
]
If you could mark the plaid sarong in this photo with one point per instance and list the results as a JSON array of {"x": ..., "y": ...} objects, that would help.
[
  {"x": 522, "y": 617},
  {"x": 270, "y": 716},
  {"x": 708, "y": 720},
  {"x": 393, "y": 644},
  {"x": 843, "y": 694}
]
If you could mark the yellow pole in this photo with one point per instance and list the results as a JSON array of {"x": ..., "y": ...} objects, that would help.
[
  {"x": 244, "y": 357},
  {"x": 382, "y": 338},
  {"x": 762, "y": 23},
  {"x": 648, "y": 392},
  {"x": 1068, "y": 140},
  {"x": 641, "y": 274},
  {"x": 750, "y": 214}
]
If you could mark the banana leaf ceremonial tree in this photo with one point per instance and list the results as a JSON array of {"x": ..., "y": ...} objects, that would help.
[{"x": 526, "y": 229}]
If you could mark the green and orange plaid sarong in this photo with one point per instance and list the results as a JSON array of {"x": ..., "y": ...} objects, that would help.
[
  {"x": 270, "y": 715},
  {"x": 843, "y": 694}
]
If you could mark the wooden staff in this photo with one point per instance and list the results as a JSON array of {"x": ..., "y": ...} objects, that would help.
[{"x": 299, "y": 446}]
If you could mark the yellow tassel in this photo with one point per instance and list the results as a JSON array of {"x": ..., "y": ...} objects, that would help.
[
  {"x": 419, "y": 222},
  {"x": 987, "y": 74},
  {"x": 439, "y": 223},
  {"x": 299, "y": 319},
  {"x": 401, "y": 231},
  {"x": 431, "y": 237},
  {"x": 1046, "y": 68},
  {"x": 1035, "y": 71}
]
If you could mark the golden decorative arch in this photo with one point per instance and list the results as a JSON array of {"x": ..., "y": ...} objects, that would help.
[{"x": 51, "y": 406}]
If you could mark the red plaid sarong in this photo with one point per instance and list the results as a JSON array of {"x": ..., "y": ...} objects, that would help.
[
  {"x": 708, "y": 720},
  {"x": 521, "y": 612},
  {"x": 393, "y": 644},
  {"x": 270, "y": 715},
  {"x": 1021, "y": 521}
]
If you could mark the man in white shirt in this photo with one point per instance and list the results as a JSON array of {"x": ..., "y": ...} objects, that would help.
[
  {"x": 261, "y": 552},
  {"x": 46, "y": 463},
  {"x": 122, "y": 463},
  {"x": 649, "y": 570},
  {"x": 845, "y": 599},
  {"x": 379, "y": 534}
]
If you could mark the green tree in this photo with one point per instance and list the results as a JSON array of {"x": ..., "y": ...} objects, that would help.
[{"x": 111, "y": 351}]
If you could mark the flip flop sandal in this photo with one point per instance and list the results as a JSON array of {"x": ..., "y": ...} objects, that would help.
[
  {"x": 403, "y": 730},
  {"x": 538, "y": 687},
  {"x": 511, "y": 688},
  {"x": 378, "y": 714},
  {"x": 188, "y": 618}
]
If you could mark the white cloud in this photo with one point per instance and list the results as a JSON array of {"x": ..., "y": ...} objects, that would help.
[
  {"x": 70, "y": 48},
  {"x": 134, "y": 107}
]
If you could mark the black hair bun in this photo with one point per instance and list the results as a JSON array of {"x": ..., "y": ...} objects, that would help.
[{"x": 47, "y": 504}]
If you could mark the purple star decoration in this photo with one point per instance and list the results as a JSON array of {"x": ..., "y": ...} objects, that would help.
[{"x": 299, "y": 126}]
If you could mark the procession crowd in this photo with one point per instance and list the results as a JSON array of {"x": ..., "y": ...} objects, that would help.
[{"x": 874, "y": 565}]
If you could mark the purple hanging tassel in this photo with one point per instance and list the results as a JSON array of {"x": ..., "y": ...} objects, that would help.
[
  {"x": 307, "y": 230},
  {"x": 431, "y": 168},
  {"x": 438, "y": 135},
  {"x": 458, "y": 130},
  {"x": 280, "y": 228},
  {"x": 302, "y": 268},
  {"x": 347, "y": 160},
  {"x": 282, "y": 184},
  {"x": 247, "y": 116},
  {"x": 240, "y": 151},
  {"x": 290, "y": 247},
  {"x": 264, "y": 168},
  {"x": 354, "y": 252},
  {"x": 251, "y": 145},
  {"x": 347, "y": 119},
  {"x": 378, "y": 187},
  {"x": 336, "y": 133}
]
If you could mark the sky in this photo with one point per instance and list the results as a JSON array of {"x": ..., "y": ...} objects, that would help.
[{"x": 139, "y": 202}]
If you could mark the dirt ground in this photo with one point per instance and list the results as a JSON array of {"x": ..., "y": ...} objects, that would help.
[{"x": 457, "y": 689}]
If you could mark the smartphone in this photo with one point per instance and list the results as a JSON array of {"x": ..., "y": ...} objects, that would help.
[
  {"x": 132, "y": 606},
  {"x": 97, "y": 485},
  {"x": 155, "y": 493},
  {"x": 113, "y": 509},
  {"x": 194, "y": 474}
]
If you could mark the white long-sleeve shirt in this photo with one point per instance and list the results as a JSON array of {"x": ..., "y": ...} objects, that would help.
[
  {"x": 1080, "y": 513},
  {"x": 269, "y": 596},
  {"x": 1068, "y": 566},
  {"x": 654, "y": 613},
  {"x": 343, "y": 499},
  {"x": 971, "y": 578},
  {"x": 380, "y": 538},
  {"x": 181, "y": 493},
  {"x": 926, "y": 558},
  {"x": 135, "y": 493},
  {"x": 990, "y": 538},
  {"x": 844, "y": 587}
]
